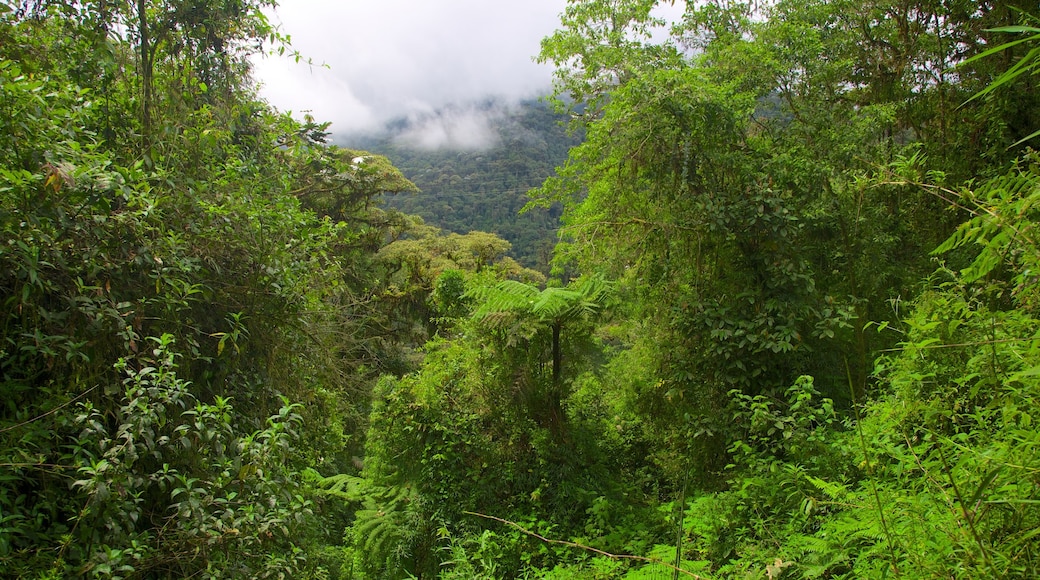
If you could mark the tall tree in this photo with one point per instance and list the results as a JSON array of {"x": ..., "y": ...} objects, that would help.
[
  {"x": 522, "y": 317},
  {"x": 166, "y": 313},
  {"x": 738, "y": 184}
]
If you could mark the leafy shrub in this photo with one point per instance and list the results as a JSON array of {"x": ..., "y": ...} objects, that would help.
[{"x": 169, "y": 487}]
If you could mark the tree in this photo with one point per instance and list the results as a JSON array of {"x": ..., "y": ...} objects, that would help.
[
  {"x": 521, "y": 316},
  {"x": 167, "y": 312},
  {"x": 603, "y": 44},
  {"x": 738, "y": 187}
]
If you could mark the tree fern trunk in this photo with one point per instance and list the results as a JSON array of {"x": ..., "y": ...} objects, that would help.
[
  {"x": 555, "y": 410},
  {"x": 556, "y": 356}
]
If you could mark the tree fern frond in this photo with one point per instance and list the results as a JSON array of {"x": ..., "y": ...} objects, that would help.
[
  {"x": 395, "y": 495},
  {"x": 380, "y": 526},
  {"x": 378, "y": 537},
  {"x": 367, "y": 521},
  {"x": 506, "y": 296},
  {"x": 554, "y": 303},
  {"x": 585, "y": 296}
]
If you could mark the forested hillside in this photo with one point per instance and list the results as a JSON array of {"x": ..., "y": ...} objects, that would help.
[
  {"x": 481, "y": 183},
  {"x": 791, "y": 327}
]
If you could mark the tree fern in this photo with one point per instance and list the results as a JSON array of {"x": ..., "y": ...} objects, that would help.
[
  {"x": 585, "y": 296},
  {"x": 377, "y": 533},
  {"x": 340, "y": 486},
  {"x": 522, "y": 309},
  {"x": 508, "y": 296}
]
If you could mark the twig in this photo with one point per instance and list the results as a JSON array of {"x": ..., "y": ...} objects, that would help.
[
  {"x": 54, "y": 410},
  {"x": 870, "y": 471},
  {"x": 587, "y": 548},
  {"x": 968, "y": 517},
  {"x": 959, "y": 345}
]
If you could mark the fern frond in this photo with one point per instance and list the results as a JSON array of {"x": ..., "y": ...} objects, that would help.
[
  {"x": 834, "y": 491},
  {"x": 554, "y": 303},
  {"x": 812, "y": 544},
  {"x": 506, "y": 296},
  {"x": 586, "y": 296},
  {"x": 342, "y": 486},
  {"x": 381, "y": 528},
  {"x": 368, "y": 521}
]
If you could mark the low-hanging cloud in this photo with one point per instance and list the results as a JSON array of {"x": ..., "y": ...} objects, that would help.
[
  {"x": 460, "y": 127},
  {"x": 395, "y": 58}
]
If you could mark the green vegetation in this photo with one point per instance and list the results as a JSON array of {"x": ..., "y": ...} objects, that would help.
[
  {"x": 791, "y": 329},
  {"x": 484, "y": 188}
]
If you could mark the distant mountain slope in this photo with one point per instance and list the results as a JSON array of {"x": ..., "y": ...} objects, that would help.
[{"x": 474, "y": 166}]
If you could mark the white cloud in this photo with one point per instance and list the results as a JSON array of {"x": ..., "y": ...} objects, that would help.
[
  {"x": 314, "y": 90},
  {"x": 462, "y": 128},
  {"x": 390, "y": 58}
]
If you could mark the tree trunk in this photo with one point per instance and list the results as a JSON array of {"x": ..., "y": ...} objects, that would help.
[
  {"x": 557, "y": 357},
  {"x": 146, "y": 80}
]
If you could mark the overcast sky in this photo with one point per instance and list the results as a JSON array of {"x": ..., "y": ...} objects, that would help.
[{"x": 388, "y": 58}]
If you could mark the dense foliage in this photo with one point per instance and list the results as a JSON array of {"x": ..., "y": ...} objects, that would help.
[
  {"x": 483, "y": 186},
  {"x": 191, "y": 314},
  {"x": 792, "y": 328}
]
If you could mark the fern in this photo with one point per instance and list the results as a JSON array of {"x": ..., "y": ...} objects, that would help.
[
  {"x": 506, "y": 296},
  {"x": 376, "y": 532},
  {"x": 340, "y": 486},
  {"x": 380, "y": 530},
  {"x": 834, "y": 491},
  {"x": 812, "y": 544},
  {"x": 586, "y": 296}
]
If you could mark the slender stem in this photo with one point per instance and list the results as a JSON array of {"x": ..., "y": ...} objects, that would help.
[
  {"x": 557, "y": 356},
  {"x": 870, "y": 471},
  {"x": 964, "y": 511},
  {"x": 146, "y": 78},
  {"x": 588, "y": 548},
  {"x": 679, "y": 530},
  {"x": 54, "y": 410}
]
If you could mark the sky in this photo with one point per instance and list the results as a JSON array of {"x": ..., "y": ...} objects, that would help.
[{"x": 387, "y": 59}]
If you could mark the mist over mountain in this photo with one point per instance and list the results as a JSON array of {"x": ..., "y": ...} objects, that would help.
[
  {"x": 455, "y": 127},
  {"x": 474, "y": 164}
]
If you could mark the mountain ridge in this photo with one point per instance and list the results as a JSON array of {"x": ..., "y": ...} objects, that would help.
[{"x": 474, "y": 164}]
